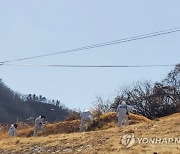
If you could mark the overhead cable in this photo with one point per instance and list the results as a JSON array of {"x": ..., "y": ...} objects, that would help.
[
  {"x": 88, "y": 66},
  {"x": 139, "y": 37}
]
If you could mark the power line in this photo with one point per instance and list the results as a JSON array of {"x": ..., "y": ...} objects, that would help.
[
  {"x": 139, "y": 37},
  {"x": 87, "y": 66}
]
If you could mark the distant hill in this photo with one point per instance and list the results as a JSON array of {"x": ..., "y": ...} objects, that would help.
[{"x": 13, "y": 107}]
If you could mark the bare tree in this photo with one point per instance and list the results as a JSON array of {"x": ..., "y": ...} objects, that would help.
[
  {"x": 154, "y": 100},
  {"x": 102, "y": 106}
]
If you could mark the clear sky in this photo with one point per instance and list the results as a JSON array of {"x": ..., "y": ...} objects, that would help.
[{"x": 29, "y": 28}]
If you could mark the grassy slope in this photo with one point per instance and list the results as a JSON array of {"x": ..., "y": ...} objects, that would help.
[{"x": 106, "y": 139}]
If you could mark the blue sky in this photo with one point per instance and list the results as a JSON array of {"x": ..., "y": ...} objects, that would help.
[{"x": 30, "y": 28}]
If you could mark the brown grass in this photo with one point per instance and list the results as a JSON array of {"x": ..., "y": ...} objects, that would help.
[
  {"x": 105, "y": 121},
  {"x": 106, "y": 138}
]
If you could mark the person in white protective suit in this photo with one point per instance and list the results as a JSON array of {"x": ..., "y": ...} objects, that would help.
[
  {"x": 86, "y": 116},
  {"x": 12, "y": 130},
  {"x": 122, "y": 113},
  {"x": 38, "y": 124}
]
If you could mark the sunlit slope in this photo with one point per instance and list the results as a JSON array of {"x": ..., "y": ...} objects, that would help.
[
  {"x": 105, "y": 138},
  {"x": 105, "y": 121}
]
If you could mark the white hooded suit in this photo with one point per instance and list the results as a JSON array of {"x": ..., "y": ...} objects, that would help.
[
  {"x": 12, "y": 131},
  {"x": 121, "y": 113},
  {"x": 38, "y": 125},
  {"x": 86, "y": 116}
]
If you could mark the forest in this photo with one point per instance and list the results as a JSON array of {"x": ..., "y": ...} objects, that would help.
[{"x": 18, "y": 107}]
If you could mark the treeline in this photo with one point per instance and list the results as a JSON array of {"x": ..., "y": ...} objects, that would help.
[
  {"x": 14, "y": 106},
  {"x": 148, "y": 99},
  {"x": 40, "y": 98}
]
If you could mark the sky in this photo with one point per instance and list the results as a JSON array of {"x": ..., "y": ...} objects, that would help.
[{"x": 32, "y": 28}]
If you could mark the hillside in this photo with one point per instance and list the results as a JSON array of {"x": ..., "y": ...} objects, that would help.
[
  {"x": 105, "y": 139},
  {"x": 13, "y": 107}
]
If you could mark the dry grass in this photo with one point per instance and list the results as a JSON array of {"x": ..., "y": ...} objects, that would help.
[
  {"x": 106, "y": 138},
  {"x": 105, "y": 121}
]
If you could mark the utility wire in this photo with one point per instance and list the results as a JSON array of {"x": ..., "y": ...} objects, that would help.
[
  {"x": 139, "y": 37},
  {"x": 88, "y": 66}
]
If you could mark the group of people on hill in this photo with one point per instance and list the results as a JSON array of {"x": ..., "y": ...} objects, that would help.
[
  {"x": 37, "y": 127},
  {"x": 122, "y": 113}
]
